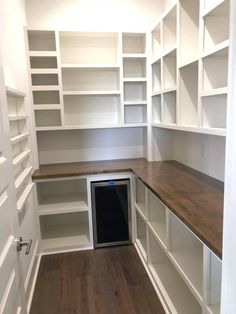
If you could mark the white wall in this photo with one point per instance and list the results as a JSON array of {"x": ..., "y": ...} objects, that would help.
[
  {"x": 12, "y": 22},
  {"x": 93, "y": 15}
]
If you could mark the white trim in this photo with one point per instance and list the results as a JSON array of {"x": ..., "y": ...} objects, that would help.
[{"x": 29, "y": 273}]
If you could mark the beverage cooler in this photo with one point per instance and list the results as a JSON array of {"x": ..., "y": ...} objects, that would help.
[{"x": 111, "y": 212}]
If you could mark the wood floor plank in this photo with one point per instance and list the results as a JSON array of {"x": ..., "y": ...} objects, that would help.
[{"x": 104, "y": 281}]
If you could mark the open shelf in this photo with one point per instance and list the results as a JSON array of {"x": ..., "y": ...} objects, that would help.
[
  {"x": 156, "y": 42},
  {"x": 92, "y": 110},
  {"x": 216, "y": 26},
  {"x": 22, "y": 178},
  {"x": 134, "y": 67},
  {"x": 141, "y": 239},
  {"x": 156, "y": 77},
  {"x": 20, "y": 157},
  {"x": 157, "y": 217},
  {"x": 176, "y": 293},
  {"x": 63, "y": 231},
  {"x": 189, "y": 31},
  {"x": 91, "y": 79},
  {"x": 214, "y": 110},
  {"x": 43, "y": 62},
  {"x": 156, "y": 109},
  {"x": 135, "y": 114},
  {"x": 189, "y": 95},
  {"x": 215, "y": 70},
  {"x": 210, "y": 5},
  {"x": 187, "y": 251},
  {"x": 41, "y": 40},
  {"x": 24, "y": 196},
  {"x": 47, "y": 118},
  {"x": 44, "y": 79},
  {"x": 134, "y": 43},
  {"x": 169, "y": 108},
  {"x": 169, "y": 30},
  {"x": 135, "y": 91},
  {"x": 46, "y": 97},
  {"x": 62, "y": 196},
  {"x": 88, "y": 48},
  {"x": 141, "y": 197},
  {"x": 169, "y": 70}
]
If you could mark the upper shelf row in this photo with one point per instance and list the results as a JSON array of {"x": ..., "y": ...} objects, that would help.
[{"x": 86, "y": 49}]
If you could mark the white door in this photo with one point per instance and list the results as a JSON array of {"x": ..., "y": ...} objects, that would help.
[{"x": 12, "y": 298}]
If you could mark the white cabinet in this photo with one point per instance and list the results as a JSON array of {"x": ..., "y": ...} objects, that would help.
[{"x": 185, "y": 272}]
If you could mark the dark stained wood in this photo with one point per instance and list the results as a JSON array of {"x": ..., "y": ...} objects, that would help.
[
  {"x": 195, "y": 198},
  {"x": 103, "y": 281}
]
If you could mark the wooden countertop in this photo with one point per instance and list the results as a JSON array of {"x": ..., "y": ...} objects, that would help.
[{"x": 195, "y": 198}]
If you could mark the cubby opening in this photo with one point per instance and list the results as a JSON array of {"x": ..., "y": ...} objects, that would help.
[
  {"x": 135, "y": 91},
  {"x": 179, "y": 298},
  {"x": 134, "y": 43},
  {"x": 156, "y": 109},
  {"x": 214, "y": 111},
  {"x": 64, "y": 230},
  {"x": 216, "y": 26},
  {"x": 61, "y": 196},
  {"x": 189, "y": 31},
  {"x": 18, "y": 127},
  {"x": 135, "y": 113},
  {"x": 44, "y": 79},
  {"x": 169, "y": 30},
  {"x": 44, "y": 118},
  {"x": 169, "y": 108},
  {"x": 141, "y": 197},
  {"x": 90, "y": 79},
  {"x": 91, "y": 110},
  {"x": 157, "y": 217},
  {"x": 134, "y": 67},
  {"x": 41, "y": 40},
  {"x": 88, "y": 48},
  {"x": 215, "y": 70},
  {"x": 16, "y": 106},
  {"x": 214, "y": 284},
  {"x": 43, "y": 62},
  {"x": 46, "y": 97},
  {"x": 187, "y": 251},
  {"x": 169, "y": 70},
  {"x": 141, "y": 239},
  {"x": 156, "y": 77},
  {"x": 211, "y": 4},
  {"x": 189, "y": 95},
  {"x": 156, "y": 42}
]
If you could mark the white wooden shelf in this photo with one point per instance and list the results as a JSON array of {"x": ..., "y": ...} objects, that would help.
[
  {"x": 17, "y": 117},
  {"x": 22, "y": 177},
  {"x": 141, "y": 239},
  {"x": 47, "y": 107},
  {"x": 14, "y": 93},
  {"x": 213, "y": 92},
  {"x": 21, "y": 157},
  {"x": 100, "y": 92},
  {"x": 24, "y": 196},
  {"x": 210, "y": 6},
  {"x": 141, "y": 201},
  {"x": 46, "y": 88},
  {"x": 138, "y": 79},
  {"x": 134, "y": 55},
  {"x": 44, "y": 71},
  {"x": 134, "y": 103},
  {"x": 42, "y": 53},
  {"x": 89, "y": 65},
  {"x": 88, "y": 127},
  {"x": 19, "y": 138},
  {"x": 215, "y": 49}
]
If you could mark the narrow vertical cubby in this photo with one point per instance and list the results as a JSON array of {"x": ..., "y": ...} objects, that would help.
[
  {"x": 135, "y": 91},
  {"x": 43, "y": 62},
  {"x": 156, "y": 109},
  {"x": 188, "y": 95},
  {"x": 136, "y": 113},
  {"x": 157, "y": 217},
  {"x": 44, "y": 118},
  {"x": 214, "y": 110},
  {"x": 216, "y": 27},
  {"x": 215, "y": 70},
  {"x": 140, "y": 192},
  {"x": 187, "y": 251},
  {"x": 189, "y": 31},
  {"x": 169, "y": 108},
  {"x": 46, "y": 97},
  {"x": 41, "y": 40},
  {"x": 134, "y": 43},
  {"x": 44, "y": 79},
  {"x": 141, "y": 236},
  {"x": 169, "y": 28},
  {"x": 134, "y": 67},
  {"x": 156, "y": 42},
  {"x": 169, "y": 71},
  {"x": 156, "y": 77},
  {"x": 176, "y": 293}
]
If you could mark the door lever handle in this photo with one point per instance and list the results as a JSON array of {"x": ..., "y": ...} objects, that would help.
[{"x": 20, "y": 243}]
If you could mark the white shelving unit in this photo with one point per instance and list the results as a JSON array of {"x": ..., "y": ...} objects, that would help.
[
  {"x": 185, "y": 272},
  {"x": 190, "y": 67},
  {"x": 21, "y": 147}
]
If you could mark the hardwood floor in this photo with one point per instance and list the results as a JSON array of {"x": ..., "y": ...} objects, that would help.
[{"x": 103, "y": 281}]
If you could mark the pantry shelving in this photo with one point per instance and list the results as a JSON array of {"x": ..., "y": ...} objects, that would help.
[{"x": 21, "y": 146}]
